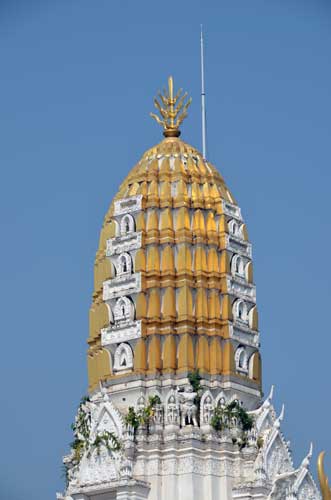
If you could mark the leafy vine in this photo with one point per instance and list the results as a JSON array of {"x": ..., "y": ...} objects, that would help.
[
  {"x": 143, "y": 416},
  {"x": 83, "y": 441},
  {"x": 224, "y": 415}
]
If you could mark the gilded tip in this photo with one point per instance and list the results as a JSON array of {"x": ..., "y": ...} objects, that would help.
[
  {"x": 322, "y": 477},
  {"x": 172, "y": 109}
]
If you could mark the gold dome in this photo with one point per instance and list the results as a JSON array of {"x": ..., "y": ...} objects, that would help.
[
  {"x": 184, "y": 304},
  {"x": 173, "y": 288}
]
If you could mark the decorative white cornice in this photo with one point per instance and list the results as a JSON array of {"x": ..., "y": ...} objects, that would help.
[
  {"x": 125, "y": 284},
  {"x": 116, "y": 334},
  {"x": 124, "y": 243},
  {"x": 128, "y": 205}
]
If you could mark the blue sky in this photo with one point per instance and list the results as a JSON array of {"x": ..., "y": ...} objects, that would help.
[{"x": 77, "y": 82}]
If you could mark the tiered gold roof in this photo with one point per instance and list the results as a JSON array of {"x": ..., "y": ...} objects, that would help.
[{"x": 184, "y": 305}]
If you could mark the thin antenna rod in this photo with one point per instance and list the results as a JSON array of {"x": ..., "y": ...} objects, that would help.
[{"x": 203, "y": 96}]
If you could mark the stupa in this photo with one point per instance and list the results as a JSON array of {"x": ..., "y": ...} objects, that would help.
[{"x": 175, "y": 407}]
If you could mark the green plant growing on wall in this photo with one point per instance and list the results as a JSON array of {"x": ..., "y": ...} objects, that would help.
[
  {"x": 223, "y": 415},
  {"x": 195, "y": 380},
  {"x": 82, "y": 438},
  {"x": 143, "y": 416},
  {"x": 131, "y": 418},
  {"x": 107, "y": 439},
  {"x": 81, "y": 429},
  {"x": 217, "y": 419},
  {"x": 236, "y": 410}
]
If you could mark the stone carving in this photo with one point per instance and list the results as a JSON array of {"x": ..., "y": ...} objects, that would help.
[
  {"x": 240, "y": 311},
  {"x": 220, "y": 400},
  {"x": 120, "y": 333},
  {"x": 172, "y": 409},
  {"x": 206, "y": 409},
  {"x": 97, "y": 425},
  {"x": 127, "y": 224},
  {"x": 125, "y": 284},
  {"x": 241, "y": 359},
  {"x": 241, "y": 289},
  {"x": 232, "y": 210},
  {"x": 295, "y": 484},
  {"x": 124, "y": 243},
  {"x": 123, "y": 264},
  {"x": 260, "y": 466},
  {"x": 127, "y": 205},
  {"x": 259, "y": 470},
  {"x": 123, "y": 310},
  {"x": 98, "y": 467},
  {"x": 123, "y": 358},
  {"x": 236, "y": 245},
  {"x": 244, "y": 335},
  {"x": 158, "y": 414},
  {"x": 141, "y": 403},
  {"x": 187, "y": 407},
  {"x": 238, "y": 266}
]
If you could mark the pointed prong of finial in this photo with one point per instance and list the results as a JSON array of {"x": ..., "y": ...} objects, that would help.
[
  {"x": 162, "y": 111},
  {"x": 171, "y": 87},
  {"x": 180, "y": 103},
  {"x": 177, "y": 95},
  {"x": 306, "y": 461},
  {"x": 268, "y": 400},
  {"x": 156, "y": 118},
  {"x": 163, "y": 99},
  {"x": 322, "y": 477},
  {"x": 282, "y": 414},
  {"x": 183, "y": 115},
  {"x": 311, "y": 449},
  {"x": 280, "y": 418},
  {"x": 171, "y": 115}
]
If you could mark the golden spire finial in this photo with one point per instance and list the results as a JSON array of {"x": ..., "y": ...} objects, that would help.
[
  {"x": 324, "y": 482},
  {"x": 174, "y": 110}
]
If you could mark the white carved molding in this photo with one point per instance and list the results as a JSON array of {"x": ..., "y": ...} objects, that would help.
[
  {"x": 128, "y": 205},
  {"x": 121, "y": 285},
  {"x": 192, "y": 459},
  {"x": 115, "y": 334},
  {"x": 123, "y": 358},
  {"x": 231, "y": 210}
]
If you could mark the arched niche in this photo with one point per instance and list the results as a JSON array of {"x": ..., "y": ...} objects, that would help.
[
  {"x": 124, "y": 264},
  {"x": 123, "y": 358},
  {"x": 241, "y": 360},
  {"x": 235, "y": 228},
  {"x": 238, "y": 266},
  {"x": 240, "y": 311},
  {"x": 127, "y": 224},
  {"x": 123, "y": 310}
]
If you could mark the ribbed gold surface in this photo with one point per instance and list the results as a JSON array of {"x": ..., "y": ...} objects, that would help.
[{"x": 183, "y": 263}]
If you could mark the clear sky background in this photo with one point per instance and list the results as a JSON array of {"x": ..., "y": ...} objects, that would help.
[{"x": 77, "y": 82}]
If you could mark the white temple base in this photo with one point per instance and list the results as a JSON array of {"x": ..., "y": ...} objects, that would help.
[{"x": 172, "y": 461}]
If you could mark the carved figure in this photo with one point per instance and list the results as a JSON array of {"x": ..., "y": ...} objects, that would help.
[
  {"x": 141, "y": 403},
  {"x": 207, "y": 410},
  {"x": 187, "y": 407},
  {"x": 172, "y": 411},
  {"x": 158, "y": 414}
]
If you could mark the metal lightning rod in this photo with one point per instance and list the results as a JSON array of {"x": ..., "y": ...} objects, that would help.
[{"x": 203, "y": 96}]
